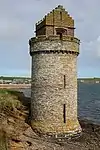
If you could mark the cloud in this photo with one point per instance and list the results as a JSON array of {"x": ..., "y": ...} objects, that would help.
[
  {"x": 17, "y": 25},
  {"x": 89, "y": 58}
]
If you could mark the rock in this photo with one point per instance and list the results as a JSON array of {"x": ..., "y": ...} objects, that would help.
[
  {"x": 20, "y": 136},
  {"x": 30, "y": 133},
  {"x": 11, "y": 120}
]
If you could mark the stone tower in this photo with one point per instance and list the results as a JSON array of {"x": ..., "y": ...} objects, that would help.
[{"x": 54, "y": 53}]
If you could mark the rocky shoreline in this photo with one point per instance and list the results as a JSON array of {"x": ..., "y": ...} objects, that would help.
[{"x": 17, "y": 134}]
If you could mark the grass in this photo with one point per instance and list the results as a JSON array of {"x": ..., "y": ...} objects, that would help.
[
  {"x": 12, "y": 78},
  {"x": 9, "y": 100}
]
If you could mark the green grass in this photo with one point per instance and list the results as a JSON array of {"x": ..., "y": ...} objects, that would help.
[
  {"x": 9, "y": 100},
  {"x": 11, "y": 78}
]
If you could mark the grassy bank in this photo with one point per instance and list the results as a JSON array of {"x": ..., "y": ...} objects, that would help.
[{"x": 9, "y": 101}]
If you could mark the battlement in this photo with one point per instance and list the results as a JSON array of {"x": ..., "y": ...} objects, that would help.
[
  {"x": 53, "y": 44},
  {"x": 55, "y": 37}
]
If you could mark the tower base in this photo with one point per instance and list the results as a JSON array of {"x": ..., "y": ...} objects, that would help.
[{"x": 71, "y": 129}]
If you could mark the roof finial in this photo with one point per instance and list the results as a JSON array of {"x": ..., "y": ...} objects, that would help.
[{"x": 60, "y": 6}]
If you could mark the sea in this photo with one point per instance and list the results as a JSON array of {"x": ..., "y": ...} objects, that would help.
[{"x": 88, "y": 101}]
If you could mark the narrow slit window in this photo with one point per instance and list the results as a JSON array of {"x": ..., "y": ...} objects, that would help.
[
  {"x": 61, "y": 16},
  {"x": 64, "y": 81},
  {"x": 64, "y": 113}
]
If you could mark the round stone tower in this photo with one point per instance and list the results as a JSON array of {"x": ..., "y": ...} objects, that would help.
[{"x": 54, "y": 53}]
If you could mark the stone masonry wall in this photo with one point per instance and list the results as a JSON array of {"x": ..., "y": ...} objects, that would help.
[
  {"x": 65, "y": 45},
  {"x": 57, "y": 18},
  {"x": 54, "y": 84}
]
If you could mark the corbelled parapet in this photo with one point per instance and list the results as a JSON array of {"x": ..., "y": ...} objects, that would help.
[
  {"x": 54, "y": 53},
  {"x": 66, "y": 44}
]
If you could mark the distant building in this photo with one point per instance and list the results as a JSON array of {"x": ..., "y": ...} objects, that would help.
[{"x": 14, "y": 80}]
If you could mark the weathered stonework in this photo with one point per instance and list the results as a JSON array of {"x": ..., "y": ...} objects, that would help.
[
  {"x": 54, "y": 81},
  {"x": 42, "y": 43}
]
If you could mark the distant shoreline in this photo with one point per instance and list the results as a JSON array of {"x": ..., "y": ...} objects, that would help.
[{"x": 14, "y": 86}]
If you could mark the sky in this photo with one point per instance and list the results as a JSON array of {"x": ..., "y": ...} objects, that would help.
[{"x": 17, "y": 26}]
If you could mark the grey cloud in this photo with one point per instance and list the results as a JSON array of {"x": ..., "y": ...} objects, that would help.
[{"x": 17, "y": 20}]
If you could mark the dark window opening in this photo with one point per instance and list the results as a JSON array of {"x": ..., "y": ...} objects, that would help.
[
  {"x": 64, "y": 81},
  {"x": 64, "y": 113},
  {"x": 61, "y": 16},
  {"x": 60, "y": 36},
  {"x": 61, "y": 32},
  {"x": 71, "y": 39}
]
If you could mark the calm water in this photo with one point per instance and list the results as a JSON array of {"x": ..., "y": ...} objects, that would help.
[{"x": 88, "y": 101}]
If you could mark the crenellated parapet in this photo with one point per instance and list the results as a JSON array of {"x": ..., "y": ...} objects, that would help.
[
  {"x": 52, "y": 44},
  {"x": 55, "y": 37},
  {"x": 57, "y": 18},
  {"x": 57, "y": 11}
]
